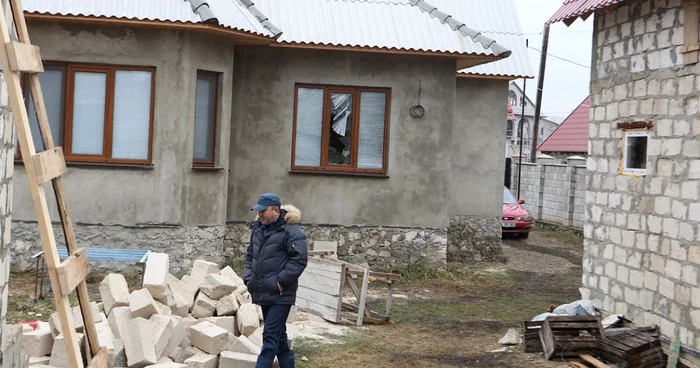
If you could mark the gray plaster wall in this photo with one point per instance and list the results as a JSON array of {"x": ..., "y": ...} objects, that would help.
[
  {"x": 419, "y": 152},
  {"x": 641, "y": 254},
  {"x": 477, "y": 148},
  {"x": 170, "y": 192}
]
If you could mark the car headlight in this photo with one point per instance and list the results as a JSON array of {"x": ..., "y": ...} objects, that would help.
[{"x": 527, "y": 218}]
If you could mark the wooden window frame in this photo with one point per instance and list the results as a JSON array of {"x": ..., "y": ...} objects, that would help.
[
  {"x": 324, "y": 166},
  {"x": 691, "y": 32},
  {"x": 624, "y": 170},
  {"x": 213, "y": 117},
  {"x": 106, "y": 156}
]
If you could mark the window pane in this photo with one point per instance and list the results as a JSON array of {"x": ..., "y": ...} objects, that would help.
[
  {"x": 636, "y": 155},
  {"x": 88, "y": 113},
  {"x": 371, "y": 142},
  {"x": 132, "y": 114},
  {"x": 309, "y": 125},
  {"x": 202, "y": 121},
  {"x": 340, "y": 141},
  {"x": 51, "y": 81}
]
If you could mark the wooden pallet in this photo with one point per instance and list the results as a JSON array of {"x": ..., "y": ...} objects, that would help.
[
  {"x": 633, "y": 349},
  {"x": 23, "y": 58},
  {"x": 531, "y": 336},
  {"x": 570, "y": 336}
]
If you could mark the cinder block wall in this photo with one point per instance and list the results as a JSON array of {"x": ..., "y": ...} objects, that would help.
[
  {"x": 641, "y": 253},
  {"x": 552, "y": 193}
]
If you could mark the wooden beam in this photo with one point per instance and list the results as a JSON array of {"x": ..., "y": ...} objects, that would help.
[
  {"x": 49, "y": 164},
  {"x": 363, "y": 297},
  {"x": 24, "y": 58},
  {"x": 73, "y": 271},
  {"x": 593, "y": 361}
]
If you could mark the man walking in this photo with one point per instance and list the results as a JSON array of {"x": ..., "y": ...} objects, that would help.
[{"x": 275, "y": 259}]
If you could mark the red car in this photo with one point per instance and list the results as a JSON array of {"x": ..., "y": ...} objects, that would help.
[{"x": 516, "y": 219}]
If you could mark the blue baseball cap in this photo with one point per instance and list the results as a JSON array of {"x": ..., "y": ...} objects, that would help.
[{"x": 266, "y": 200}]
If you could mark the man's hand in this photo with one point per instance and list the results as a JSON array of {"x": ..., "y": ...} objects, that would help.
[{"x": 279, "y": 287}]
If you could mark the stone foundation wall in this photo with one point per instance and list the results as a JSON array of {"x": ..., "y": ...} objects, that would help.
[
  {"x": 184, "y": 244},
  {"x": 474, "y": 238},
  {"x": 376, "y": 246}
]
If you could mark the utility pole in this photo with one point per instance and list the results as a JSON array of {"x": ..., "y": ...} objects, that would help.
[
  {"x": 520, "y": 128},
  {"x": 540, "y": 86}
]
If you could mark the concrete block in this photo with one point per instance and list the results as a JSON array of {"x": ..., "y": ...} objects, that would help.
[
  {"x": 210, "y": 338},
  {"x": 42, "y": 360},
  {"x": 243, "y": 298},
  {"x": 117, "y": 320},
  {"x": 243, "y": 344},
  {"x": 163, "y": 309},
  {"x": 227, "y": 323},
  {"x": 181, "y": 307},
  {"x": 217, "y": 286},
  {"x": 203, "y": 361},
  {"x": 247, "y": 319},
  {"x": 190, "y": 286},
  {"x": 176, "y": 337},
  {"x": 230, "y": 359},
  {"x": 201, "y": 269},
  {"x": 258, "y": 308},
  {"x": 178, "y": 355},
  {"x": 257, "y": 337},
  {"x": 105, "y": 338},
  {"x": 118, "y": 358},
  {"x": 227, "y": 306},
  {"x": 292, "y": 314},
  {"x": 162, "y": 326},
  {"x": 187, "y": 323},
  {"x": 38, "y": 342},
  {"x": 231, "y": 274},
  {"x": 167, "y": 365},
  {"x": 156, "y": 274},
  {"x": 138, "y": 342},
  {"x": 203, "y": 306},
  {"x": 114, "y": 292},
  {"x": 142, "y": 305},
  {"x": 59, "y": 353}
]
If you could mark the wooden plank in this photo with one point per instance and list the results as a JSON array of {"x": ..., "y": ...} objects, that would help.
[
  {"x": 330, "y": 301},
  {"x": 27, "y": 149},
  {"x": 72, "y": 271},
  {"x": 24, "y": 58},
  {"x": 324, "y": 264},
  {"x": 593, "y": 361},
  {"x": 330, "y": 314},
  {"x": 353, "y": 286},
  {"x": 49, "y": 164},
  {"x": 389, "y": 298},
  {"x": 45, "y": 130},
  {"x": 690, "y": 30},
  {"x": 363, "y": 297},
  {"x": 577, "y": 365},
  {"x": 99, "y": 360},
  {"x": 334, "y": 276},
  {"x": 320, "y": 283}
]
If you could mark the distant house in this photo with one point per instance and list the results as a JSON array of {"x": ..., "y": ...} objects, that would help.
[
  {"x": 175, "y": 116},
  {"x": 642, "y": 227},
  {"x": 570, "y": 138},
  {"x": 517, "y": 98}
]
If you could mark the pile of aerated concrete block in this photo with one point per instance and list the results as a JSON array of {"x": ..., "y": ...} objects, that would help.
[{"x": 204, "y": 320}]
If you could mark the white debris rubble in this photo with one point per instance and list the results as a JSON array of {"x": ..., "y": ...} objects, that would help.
[{"x": 200, "y": 320}]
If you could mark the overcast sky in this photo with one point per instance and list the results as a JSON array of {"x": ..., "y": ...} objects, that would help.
[{"x": 565, "y": 84}]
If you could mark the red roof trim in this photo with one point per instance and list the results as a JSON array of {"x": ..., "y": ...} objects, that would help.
[{"x": 573, "y": 9}]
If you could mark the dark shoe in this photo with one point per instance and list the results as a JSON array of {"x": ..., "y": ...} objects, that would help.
[
  {"x": 264, "y": 362},
  {"x": 286, "y": 360}
]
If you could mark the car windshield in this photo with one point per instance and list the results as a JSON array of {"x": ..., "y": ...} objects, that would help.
[{"x": 508, "y": 197}]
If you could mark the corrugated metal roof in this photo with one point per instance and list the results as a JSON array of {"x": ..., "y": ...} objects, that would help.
[
  {"x": 572, "y": 134},
  {"x": 386, "y": 24},
  {"x": 573, "y": 9},
  {"x": 497, "y": 19},
  {"x": 228, "y": 13}
]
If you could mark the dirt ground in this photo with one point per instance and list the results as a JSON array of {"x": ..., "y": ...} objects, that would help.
[{"x": 451, "y": 318}]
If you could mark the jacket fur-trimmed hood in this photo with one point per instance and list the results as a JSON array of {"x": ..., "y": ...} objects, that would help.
[{"x": 292, "y": 216}]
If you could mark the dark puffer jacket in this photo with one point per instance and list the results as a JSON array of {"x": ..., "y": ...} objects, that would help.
[{"x": 276, "y": 255}]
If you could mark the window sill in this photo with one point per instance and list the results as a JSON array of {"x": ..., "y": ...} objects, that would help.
[
  {"x": 340, "y": 173},
  {"x": 206, "y": 168},
  {"x": 96, "y": 165}
]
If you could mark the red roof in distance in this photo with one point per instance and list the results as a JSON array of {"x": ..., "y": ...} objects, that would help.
[{"x": 572, "y": 134}]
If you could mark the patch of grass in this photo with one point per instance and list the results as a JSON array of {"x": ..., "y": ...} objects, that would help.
[
  {"x": 419, "y": 272},
  {"x": 237, "y": 265},
  {"x": 324, "y": 356}
]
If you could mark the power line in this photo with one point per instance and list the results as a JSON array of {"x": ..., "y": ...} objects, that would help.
[{"x": 561, "y": 58}]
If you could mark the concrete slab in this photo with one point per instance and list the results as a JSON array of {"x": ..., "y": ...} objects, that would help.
[
  {"x": 156, "y": 274},
  {"x": 138, "y": 342},
  {"x": 114, "y": 292},
  {"x": 230, "y": 359},
  {"x": 141, "y": 304},
  {"x": 210, "y": 338}
]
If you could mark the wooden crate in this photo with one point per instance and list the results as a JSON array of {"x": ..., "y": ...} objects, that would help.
[
  {"x": 569, "y": 336},
  {"x": 531, "y": 336},
  {"x": 633, "y": 349}
]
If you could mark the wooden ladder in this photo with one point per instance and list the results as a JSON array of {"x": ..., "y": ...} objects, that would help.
[{"x": 49, "y": 165}]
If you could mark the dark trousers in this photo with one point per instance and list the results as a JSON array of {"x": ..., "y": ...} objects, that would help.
[{"x": 275, "y": 341}]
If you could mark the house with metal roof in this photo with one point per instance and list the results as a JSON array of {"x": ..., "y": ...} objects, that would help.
[
  {"x": 175, "y": 115},
  {"x": 642, "y": 224},
  {"x": 570, "y": 138}
]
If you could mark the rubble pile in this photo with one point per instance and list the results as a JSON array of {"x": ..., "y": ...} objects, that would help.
[{"x": 205, "y": 319}]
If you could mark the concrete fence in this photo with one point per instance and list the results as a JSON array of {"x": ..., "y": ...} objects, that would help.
[{"x": 554, "y": 193}]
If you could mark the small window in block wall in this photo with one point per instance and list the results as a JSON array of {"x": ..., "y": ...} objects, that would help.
[{"x": 634, "y": 153}]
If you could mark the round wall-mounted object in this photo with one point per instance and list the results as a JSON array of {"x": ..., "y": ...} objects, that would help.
[{"x": 417, "y": 111}]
